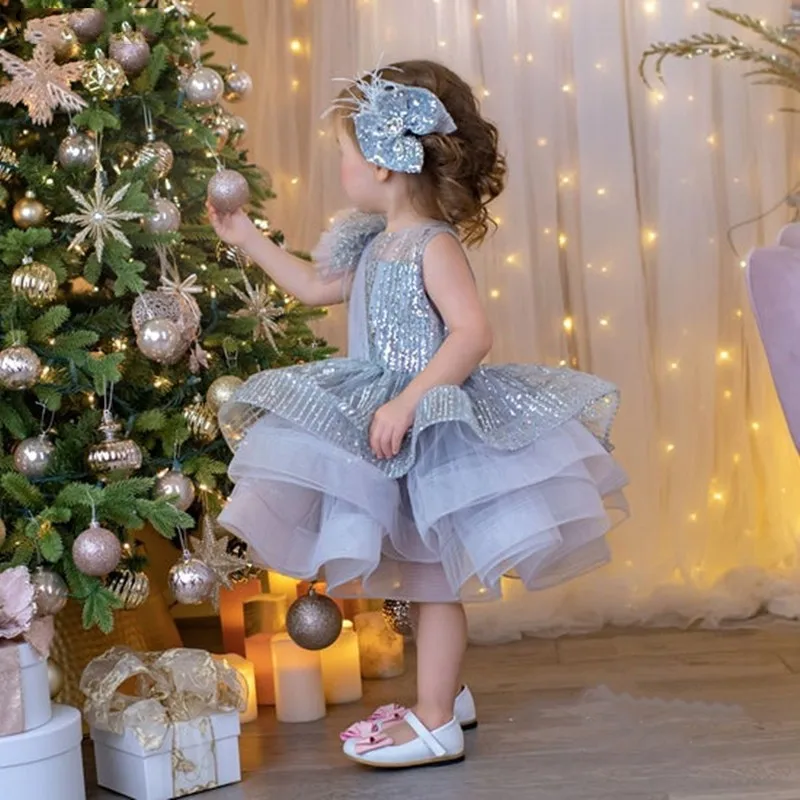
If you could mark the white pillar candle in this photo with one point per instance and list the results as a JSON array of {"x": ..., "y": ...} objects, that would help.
[
  {"x": 283, "y": 584},
  {"x": 299, "y": 696},
  {"x": 381, "y": 649},
  {"x": 257, "y": 649},
  {"x": 341, "y": 669},
  {"x": 248, "y": 671}
]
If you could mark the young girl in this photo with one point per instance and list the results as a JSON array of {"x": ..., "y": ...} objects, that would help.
[{"x": 407, "y": 470}]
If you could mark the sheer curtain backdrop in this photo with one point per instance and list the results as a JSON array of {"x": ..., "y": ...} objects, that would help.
[{"x": 611, "y": 255}]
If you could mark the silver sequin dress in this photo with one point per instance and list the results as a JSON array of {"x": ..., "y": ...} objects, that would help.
[{"x": 508, "y": 474}]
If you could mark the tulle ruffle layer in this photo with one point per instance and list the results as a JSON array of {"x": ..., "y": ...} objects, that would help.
[{"x": 463, "y": 515}]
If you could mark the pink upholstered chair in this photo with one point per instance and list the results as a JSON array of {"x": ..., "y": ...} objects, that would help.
[{"x": 773, "y": 278}]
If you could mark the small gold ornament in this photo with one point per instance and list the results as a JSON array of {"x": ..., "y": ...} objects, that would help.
[
  {"x": 130, "y": 49},
  {"x": 132, "y": 588},
  {"x": 113, "y": 455},
  {"x": 50, "y": 593},
  {"x": 191, "y": 581},
  {"x": 238, "y": 84},
  {"x": 29, "y": 212},
  {"x": 9, "y": 163},
  {"x": 221, "y": 391},
  {"x": 202, "y": 421},
  {"x": 35, "y": 281},
  {"x": 55, "y": 677},
  {"x": 156, "y": 153},
  {"x": 103, "y": 77},
  {"x": 314, "y": 622},
  {"x": 20, "y": 368},
  {"x": 66, "y": 45}
]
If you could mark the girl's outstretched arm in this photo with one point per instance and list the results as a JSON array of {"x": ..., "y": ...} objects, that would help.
[{"x": 294, "y": 275}]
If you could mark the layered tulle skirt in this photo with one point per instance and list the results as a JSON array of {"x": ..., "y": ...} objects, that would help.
[{"x": 508, "y": 475}]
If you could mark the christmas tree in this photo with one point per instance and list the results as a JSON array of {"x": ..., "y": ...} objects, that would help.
[{"x": 124, "y": 323}]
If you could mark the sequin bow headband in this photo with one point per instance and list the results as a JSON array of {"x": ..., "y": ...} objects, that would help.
[{"x": 390, "y": 117}]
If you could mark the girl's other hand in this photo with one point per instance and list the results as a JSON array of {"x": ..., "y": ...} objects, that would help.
[
  {"x": 233, "y": 229},
  {"x": 389, "y": 427}
]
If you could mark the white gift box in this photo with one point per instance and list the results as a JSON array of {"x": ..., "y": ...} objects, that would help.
[
  {"x": 45, "y": 762},
  {"x": 194, "y": 756},
  {"x": 30, "y": 670}
]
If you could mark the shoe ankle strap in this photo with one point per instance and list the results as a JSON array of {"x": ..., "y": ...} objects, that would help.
[{"x": 431, "y": 742}]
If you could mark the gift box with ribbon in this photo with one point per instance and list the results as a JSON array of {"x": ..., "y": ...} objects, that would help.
[
  {"x": 164, "y": 725},
  {"x": 24, "y": 645}
]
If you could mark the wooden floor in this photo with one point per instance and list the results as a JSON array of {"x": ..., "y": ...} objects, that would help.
[{"x": 722, "y": 722}]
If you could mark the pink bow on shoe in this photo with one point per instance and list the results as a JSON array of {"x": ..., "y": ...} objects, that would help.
[
  {"x": 360, "y": 730},
  {"x": 390, "y": 713},
  {"x": 373, "y": 742}
]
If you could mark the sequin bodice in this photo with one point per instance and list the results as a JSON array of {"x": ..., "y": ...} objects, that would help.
[{"x": 403, "y": 330}]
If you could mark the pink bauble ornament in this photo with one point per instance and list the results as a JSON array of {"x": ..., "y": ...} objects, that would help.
[
  {"x": 228, "y": 191},
  {"x": 96, "y": 551}
]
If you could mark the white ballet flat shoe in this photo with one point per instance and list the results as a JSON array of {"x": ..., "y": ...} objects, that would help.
[
  {"x": 464, "y": 709},
  {"x": 375, "y": 748}
]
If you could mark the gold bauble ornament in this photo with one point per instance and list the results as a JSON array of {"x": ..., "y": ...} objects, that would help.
[
  {"x": 157, "y": 154},
  {"x": 9, "y": 163},
  {"x": 55, "y": 677},
  {"x": 66, "y": 45},
  {"x": 20, "y": 368},
  {"x": 103, "y": 77},
  {"x": 314, "y": 622},
  {"x": 35, "y": 281},
  {"x": 29, "y": 212},
  {"x": 50, "y": 593},
  {"x": 132, "y": 588},
  {"x": 238, "y": 84},
  {"x": 113, "y": 455},
  {"x": 77, "y": 150},
  {"x": 221, "y": 391},
  {"x": 202, "y": 421}
]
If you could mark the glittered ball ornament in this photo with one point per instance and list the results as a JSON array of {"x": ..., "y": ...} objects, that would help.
[
  {"x": 202, "y": 421},
  {"x": 314, "y": 621},
  {"x": 177, "y": 488},
  {"x": 55, "y": 677},
  {"x": 113, "y": 455},
  {"x": 165, "y": 217},
  {"x": 77, "y": 150},
  {"x": 20, "y": 368},
  {"x": 157, "y": 154},
  {"x": 204, "y": 87},
  {"x": 238, "y": 84},
  {"x": 50, "y": 592},
  {"x": 131, "y": 587},
  {"x": 397, "y": 616},
  {"x": 9, "y": 163},
  {"x": 88, "y": 23},
  {"x": 162, "y": 341},
  {"x": 28, "y": 212},
  {"x": 228, "y": 191},
  {"x": 37, "y": 282},
  {"x": 221, "y": 391},
  {"x": 32, "y": 457},
  {"x": 103, "y": 77},
  {"x": 96, "y": 551},
  {"x": 130, "y": 49},
  {"x": 191, "y": 581}
]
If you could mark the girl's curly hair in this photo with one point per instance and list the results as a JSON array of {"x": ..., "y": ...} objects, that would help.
[{"x": 463, "y": 171}]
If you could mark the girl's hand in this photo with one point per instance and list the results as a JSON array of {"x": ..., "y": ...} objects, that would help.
[
  {"x": 389, "y": 426},
  {"x": 233, "y": 229}
]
